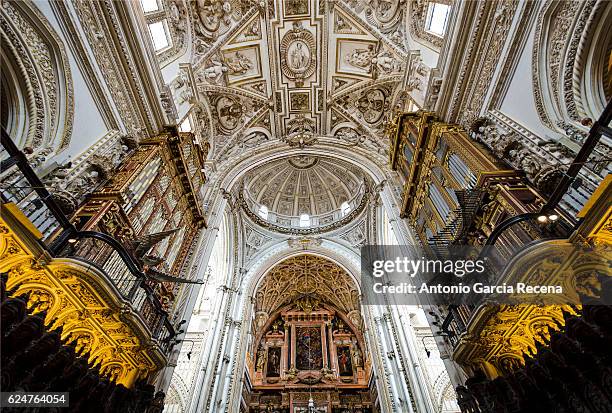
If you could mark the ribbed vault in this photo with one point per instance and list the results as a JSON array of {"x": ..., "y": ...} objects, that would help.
[{"x": 310, "y": 276}]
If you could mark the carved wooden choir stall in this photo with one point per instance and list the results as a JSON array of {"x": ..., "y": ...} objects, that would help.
[
  {"x": 98, "y": 290},
  {"x": 457, "y": 192}
]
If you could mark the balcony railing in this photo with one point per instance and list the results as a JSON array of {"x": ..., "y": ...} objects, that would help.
[
  {"x": 503, "y": 243},
  {"x": 21, "y": 186}
]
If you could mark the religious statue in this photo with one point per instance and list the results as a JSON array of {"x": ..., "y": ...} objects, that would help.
[
  {"x": 277, "y": 325},
  {"x": 357, "y": 359},
  {"x": 297, "y": 54},
  {"x": 175, "y": 15},
  {"x": 291, "y": 373},
  {"x": 273, "y": 364},
  {"x": 558, "y": 149},
  {"x": 340, "y": 326},
  {"x": 68, "y": 191},
  {"x": 261, "y": 359},
  {"x": 37, "y": 159},
  {"x": 299, "y": 58},
  {"x": 414, "y": 83},
  {"x": 420, "y": 68},
  {"x": 327, "y": 374},
  {"x": 354, "y": 316},
  {"x": 173, "y": 11},
  {"x": 87, "y": 181},
  {"x": 349, "y": 135},
  {"x": 341, "y": 24},
  {"x": 526, "y": 161},
  {"x": 56, "y": 178},
  {"x": 117, "y": 154}
]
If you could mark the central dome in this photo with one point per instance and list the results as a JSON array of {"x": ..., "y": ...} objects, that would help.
[
  {"x": 303, "y": 185},
  {"x": 303, "y": 191}
]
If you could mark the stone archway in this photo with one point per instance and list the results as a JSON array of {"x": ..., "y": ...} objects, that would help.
[{"x": 223, "y": 380}]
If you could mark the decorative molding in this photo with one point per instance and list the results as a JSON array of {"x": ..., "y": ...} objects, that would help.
[
  {"x": 86, "y": 63},
  {"x": 497, "y": 31},
  {"x": 298, "y": 54},
  {"x": 306, "y": 274}
]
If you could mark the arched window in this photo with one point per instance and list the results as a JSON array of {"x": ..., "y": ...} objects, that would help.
[
  {"x": 166, "y": 22},
  {"x": 345, "y": 208},
  {"x": 263, "y": 211},
  {"x": 304, "y": 220},
  {"x": 149, "y": 5}
]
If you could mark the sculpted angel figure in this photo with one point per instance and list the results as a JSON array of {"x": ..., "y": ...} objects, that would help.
[
  {"x": 525, "y": 160},
  {"x": 384, "y": 62},
  {"x": 214, "y": 72},
  {"x": 238, "y": 64},
  {"x": 414, "y": 83}
]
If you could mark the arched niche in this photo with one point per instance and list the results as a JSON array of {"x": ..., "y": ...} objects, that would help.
[
  {"x": 591, "y": 87},
  {"x": 571, "y": 61},
  {"x": 37, "y": 101}
]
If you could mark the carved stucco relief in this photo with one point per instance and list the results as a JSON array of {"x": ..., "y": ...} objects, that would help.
[{"x": 41, "y": 57}]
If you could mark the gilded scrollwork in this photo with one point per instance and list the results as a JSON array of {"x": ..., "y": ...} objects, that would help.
[
  {"x": 509, "y": 335},
  {"x": 81, "y": 304}
]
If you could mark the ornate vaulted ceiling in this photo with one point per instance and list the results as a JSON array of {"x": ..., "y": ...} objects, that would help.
[{"x": 293, "y": 70}]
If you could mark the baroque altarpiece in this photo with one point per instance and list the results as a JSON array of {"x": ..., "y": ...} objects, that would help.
[{"x": 308, "y": 343}]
